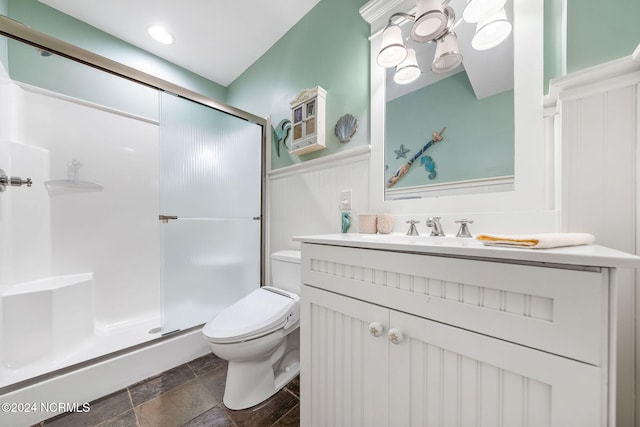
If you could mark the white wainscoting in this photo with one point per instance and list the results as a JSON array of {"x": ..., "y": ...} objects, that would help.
[
  {"x": 303, "y": 198},
  {"x": 595, "y": 115}
]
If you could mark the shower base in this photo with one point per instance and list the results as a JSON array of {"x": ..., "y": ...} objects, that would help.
[
  {"x": 49, "y": 324},
  {"x": 89, "y": 348},
  {"x": 96, "y": 378}
]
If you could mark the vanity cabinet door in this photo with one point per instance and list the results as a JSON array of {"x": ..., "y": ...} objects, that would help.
[
  {"x": 344, "y": 361},
  {"x": 366, "y": 365},
  {"x": 446, "y": 376}
]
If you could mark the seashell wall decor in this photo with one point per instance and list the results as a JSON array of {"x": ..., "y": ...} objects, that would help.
[{"x": 346, "y": 127}]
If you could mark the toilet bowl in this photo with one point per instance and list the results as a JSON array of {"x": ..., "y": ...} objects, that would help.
[{"x": 259, "y": 336}]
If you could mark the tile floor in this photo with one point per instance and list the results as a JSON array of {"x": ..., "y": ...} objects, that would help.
[{"x": 188, "y": 395}]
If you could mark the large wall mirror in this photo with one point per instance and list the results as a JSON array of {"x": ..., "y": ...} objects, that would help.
[
  {"x": 470, "y": 93},
  {"x": 492, "y": 157}
]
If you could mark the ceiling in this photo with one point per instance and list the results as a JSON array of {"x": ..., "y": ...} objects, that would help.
[{"x": 217, "y": 39}]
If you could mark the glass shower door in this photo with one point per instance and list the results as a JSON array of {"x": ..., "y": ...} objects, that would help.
[{"x": 210, "y": 206}]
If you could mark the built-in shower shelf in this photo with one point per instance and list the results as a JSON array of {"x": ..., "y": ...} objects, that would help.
[{"x": 67, "y": 186}]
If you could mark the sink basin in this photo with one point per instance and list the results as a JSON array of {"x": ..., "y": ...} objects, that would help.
[{"x": 420, "y": 240}]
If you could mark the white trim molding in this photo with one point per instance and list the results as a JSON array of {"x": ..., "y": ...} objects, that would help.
[
  {"x": 341, "y": 158},
  {"x": 469, "y": 186},
  {"x": 610, "y": 75},
  {"x": 377, "y": 12}
]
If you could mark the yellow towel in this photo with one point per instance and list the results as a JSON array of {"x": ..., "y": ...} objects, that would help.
[{"x": 537, "y": 241}]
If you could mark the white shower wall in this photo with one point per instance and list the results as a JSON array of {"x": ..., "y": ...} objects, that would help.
[
  {"x": 9, "y": 94},
  {"x": 113, "y": 233}
]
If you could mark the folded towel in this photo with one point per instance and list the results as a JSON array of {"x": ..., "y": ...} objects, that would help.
[{"x": 537, "y": 241}]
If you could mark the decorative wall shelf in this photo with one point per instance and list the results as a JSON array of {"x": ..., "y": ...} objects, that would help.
[{"x": 308, "y": 112}]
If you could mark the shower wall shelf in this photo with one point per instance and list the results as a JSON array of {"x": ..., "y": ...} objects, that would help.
[
  {"x": 67, "y": 186},
  {"x": 72, "y": 184}
]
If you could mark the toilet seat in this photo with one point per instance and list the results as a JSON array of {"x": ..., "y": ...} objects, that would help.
[{"x": 262, "y": 311}]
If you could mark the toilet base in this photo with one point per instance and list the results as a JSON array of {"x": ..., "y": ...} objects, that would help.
[{"x": 250, "y": 382}]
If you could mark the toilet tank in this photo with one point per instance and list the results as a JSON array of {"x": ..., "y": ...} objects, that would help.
[{"x": 285, "y": 270}]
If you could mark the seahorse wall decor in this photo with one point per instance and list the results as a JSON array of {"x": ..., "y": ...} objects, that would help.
[
  {"x": 402, "y": 170},
  {"x": 429, "y": 166},
  {"x": 280, "y": 134}
]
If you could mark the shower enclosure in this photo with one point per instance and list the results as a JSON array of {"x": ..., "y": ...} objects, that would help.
[{"x": 143, "y": 216}]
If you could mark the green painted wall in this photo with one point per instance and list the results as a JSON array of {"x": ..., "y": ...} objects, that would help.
[
  {"x": 600, "y": 31},
  {"x": 52, "y": 22},
  {"x": 72, "y": 78},
  {"x": 554, "y": 60},
  {"x": 596, "y": 31},
  {"x": 478, "y": 140},
  {"x": 329, "y": 47}
]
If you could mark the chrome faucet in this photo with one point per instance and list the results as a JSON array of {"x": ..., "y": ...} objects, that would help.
[
  {"x": 464, "y": 230},
  {"x": 434, "y": 222},
  {"x": 413, "y": 231}
]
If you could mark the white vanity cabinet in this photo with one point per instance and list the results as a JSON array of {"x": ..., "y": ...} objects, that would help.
[{"x": 406, "y": 335}]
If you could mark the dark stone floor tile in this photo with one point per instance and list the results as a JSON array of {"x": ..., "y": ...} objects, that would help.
[
  {"x": 214, "y": 381},
  {"x": 175, "y": 407},
  {"x": 294, "y": 386},
  {"x": 100, "y": 410},
  {"x": 290, "y": 419},
  {"x": 265, "y": 413},
  {"x": 207, "y": 363},
  {"x": 153, "y": 387},
  {"x": 128, "y": 419},
  {"x": 214, "y": 417}
]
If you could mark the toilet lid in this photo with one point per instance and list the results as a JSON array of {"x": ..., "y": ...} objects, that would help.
[{"x": 259, "y": 312}]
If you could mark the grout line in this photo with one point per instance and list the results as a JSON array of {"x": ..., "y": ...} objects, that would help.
[
  {"x": 292, "y": 393},
  {"x": 287, "y": 413},
  {"x": 192, "y": 370},
  {"x": 226, "y": 413},
  {"x": 133, "y": 408}
]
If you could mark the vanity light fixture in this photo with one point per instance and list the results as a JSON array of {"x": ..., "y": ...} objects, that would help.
[
  {"x": 479, "y": 10},
  {"x": 447, "y": 57},
  {"x": 433, "y": 21},
  {"x": 407, "y": 71},
  {"x": 491, "y": 31},
  {"x": 160, "y": 34},
  {"x": 393, "y": 51}
]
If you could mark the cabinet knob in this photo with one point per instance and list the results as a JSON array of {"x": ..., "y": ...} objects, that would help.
[
  {"x": 376, "y": 329},
  {"x": 395, "y": 336}
]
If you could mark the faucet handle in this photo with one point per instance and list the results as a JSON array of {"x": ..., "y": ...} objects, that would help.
[
  {"x": 464, "y": 230},
  {"x": 413, "y": 231}
]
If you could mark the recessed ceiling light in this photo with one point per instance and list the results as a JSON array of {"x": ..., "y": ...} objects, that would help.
[{"x": 160, "y": 34}]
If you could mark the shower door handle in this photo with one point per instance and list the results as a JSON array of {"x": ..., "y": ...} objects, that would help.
[{"x": 165, "y": 218}]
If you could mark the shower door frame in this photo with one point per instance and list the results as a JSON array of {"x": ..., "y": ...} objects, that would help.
[{"x": 18, "y": 31}]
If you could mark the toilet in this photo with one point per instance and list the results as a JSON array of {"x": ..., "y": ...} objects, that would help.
[{"x": 259, "y": 336}]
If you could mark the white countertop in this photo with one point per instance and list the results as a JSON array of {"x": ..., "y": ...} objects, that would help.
[{"x": 583, "y": 255}]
